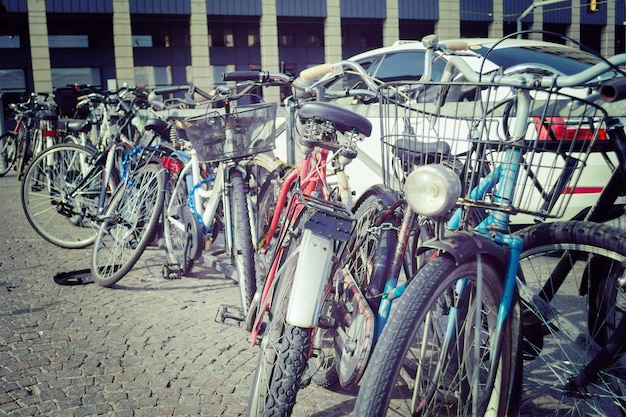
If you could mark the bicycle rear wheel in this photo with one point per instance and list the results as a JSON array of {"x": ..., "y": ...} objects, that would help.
[
  {"x": 182, "y": 232},
  {"x": 8, "y": 152},
  {"x": 566, "y": 326},
  {"x": 130, "y": 223},
  {"x": 369, "y": 256},
  {"x": 432, "y": 358},
  {"x": 60, "y": 195}
]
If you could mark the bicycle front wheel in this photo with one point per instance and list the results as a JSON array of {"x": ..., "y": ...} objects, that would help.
[
  {"x": 130, "y": 223},
  {"x": 572, "y": 291},
  {"x": 434, "y": 355},
  {"x": 243, "y": 249},
  {"x": 61, "y": 193},
  {"x": 283, "y": 354}
]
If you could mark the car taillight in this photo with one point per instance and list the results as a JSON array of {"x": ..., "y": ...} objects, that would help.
[
  {"x": 172, "y": 164},
  {"x": 582, "y": 190},
  {"x": 557, "y": 128}
]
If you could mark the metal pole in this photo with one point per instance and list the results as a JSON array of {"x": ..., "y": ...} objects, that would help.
[{"x": 529, "y": 9}]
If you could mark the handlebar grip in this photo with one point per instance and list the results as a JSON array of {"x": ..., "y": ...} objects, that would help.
[
  {"x": 316, "y": 71},
  {"x": 172, "y": 89},
  {"x": 456, "y": 45},
  {"x": 613, "y": 90},
  {"x": 244, "y": 76}
]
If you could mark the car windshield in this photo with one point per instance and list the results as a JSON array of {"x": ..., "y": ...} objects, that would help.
[{"x": 566, "y": 61}]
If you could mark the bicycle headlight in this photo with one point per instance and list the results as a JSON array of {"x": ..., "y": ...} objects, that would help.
[{"x": 432, "y": 190}]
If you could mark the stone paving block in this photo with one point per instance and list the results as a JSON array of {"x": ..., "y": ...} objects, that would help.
[{"x": 148, "y": 347}]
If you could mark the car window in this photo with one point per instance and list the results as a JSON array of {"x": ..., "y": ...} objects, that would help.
[{"x": 399, "y": 66}]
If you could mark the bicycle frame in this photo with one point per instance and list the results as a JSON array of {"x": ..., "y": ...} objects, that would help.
[{"x": 305, "y": 300}]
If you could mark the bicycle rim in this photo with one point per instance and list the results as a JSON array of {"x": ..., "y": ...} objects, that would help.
[
  {"x": 183, "y": 235},
  {"x": 563, "y": 332},
  {"x": 60, "y": 195},
  {"x": 129, "y": 225}
]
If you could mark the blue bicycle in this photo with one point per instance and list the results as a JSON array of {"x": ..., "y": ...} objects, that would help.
[{"x": 468, "y": 155}]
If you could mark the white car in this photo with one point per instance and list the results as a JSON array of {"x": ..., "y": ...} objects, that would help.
[{"x": 404, "y": 61}]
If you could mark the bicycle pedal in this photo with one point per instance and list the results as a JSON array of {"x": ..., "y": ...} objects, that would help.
[
  {"x": 227, "y": 312},
  {"x": 171, "y": 271}
]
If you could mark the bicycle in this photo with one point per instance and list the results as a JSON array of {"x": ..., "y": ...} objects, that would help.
[
  {"x": 34, "y": 123},
  {"x": 469, "y": 261},
  {"x": 310, "y": 221},
  {"x": 224, "y": 157},
  {"x": 67, "y": 187}
]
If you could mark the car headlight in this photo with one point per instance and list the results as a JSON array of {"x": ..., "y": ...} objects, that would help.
[{"x": 432, "y": 190}]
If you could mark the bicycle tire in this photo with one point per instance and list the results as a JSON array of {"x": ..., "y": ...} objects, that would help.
[
  {"x": 8, "y": 151},
  {"x": 243, "y": 249},
  {"x": 24, "y": 154},
  {"x": 56, "y": 205},
  {"x": 283, "y": 354},
  {"x": 182, "y": 232},
  {"x": 130, "y": 223},
  {"x": 369, "y": 250},
  {"x": 398, "y": 360},
  {"x": 576, "y": 321}
]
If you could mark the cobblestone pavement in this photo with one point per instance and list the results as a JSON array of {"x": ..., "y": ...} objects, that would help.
[{"x": 150, "y": 347}]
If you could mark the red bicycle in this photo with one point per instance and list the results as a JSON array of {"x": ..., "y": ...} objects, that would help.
[{"x": 307, "y": 224}]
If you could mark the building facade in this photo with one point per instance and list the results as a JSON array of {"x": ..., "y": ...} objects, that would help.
[{"x": 48, "y": 44}]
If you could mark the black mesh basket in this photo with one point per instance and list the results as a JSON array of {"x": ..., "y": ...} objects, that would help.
[{"x": 244, "y": 132}]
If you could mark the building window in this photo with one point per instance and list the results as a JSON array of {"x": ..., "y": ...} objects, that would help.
[
  {"x": 253, "y": 37},
  {"x": 285, "y": 37},
  {"x": 221, "y": 37},
  {"x": 12, "y": 80},
  {"x": 142, "y": 41},
  {"x": 9, "y": 41},
  {"x": 150, "y": 76},
  {"x": 68, "y": 41},
  {"x": 62, "y": 77},
  {"x": 314, "y": 39}
]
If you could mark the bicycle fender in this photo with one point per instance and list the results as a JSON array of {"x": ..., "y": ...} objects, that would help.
[
  {"x": 463, "y": 246},
  {"x": 388, "y": 196},
  {"x": 310, "y": 279}
]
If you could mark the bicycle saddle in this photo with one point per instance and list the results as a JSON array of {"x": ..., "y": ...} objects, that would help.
[
  {"x": 158, "y": 126},
  {"x": 412, "y": 151},
  {"x": 74, "y": 125},
  {"x": 342, "y": 118}
]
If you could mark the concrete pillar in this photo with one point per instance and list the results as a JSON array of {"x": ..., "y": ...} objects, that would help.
[
  {"x": 39, "y": 49},
  {"x": 496, "y": 27},
  {"x": 123, "y": 43},
  {"x": 608, "y": 32},
  {"x": 449, "y": 24},
  {"x": 332, "y": 32},
  {"x": 201, "y": 70},
  {"x": 270, "y": 58},
  {"x": 574, "y": 28},
  {"x": 391, "y": 25}
]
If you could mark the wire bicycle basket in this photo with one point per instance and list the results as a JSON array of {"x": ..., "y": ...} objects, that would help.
[
  {"x": 246, "y": 131},
  {"x": 471, "y": 129}
]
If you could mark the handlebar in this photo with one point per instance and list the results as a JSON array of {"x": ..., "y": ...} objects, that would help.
[
  {"x": 262, "y": 77},
  {"x": 614, "y": 90},
  {"x": 535, "y": 80}
]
